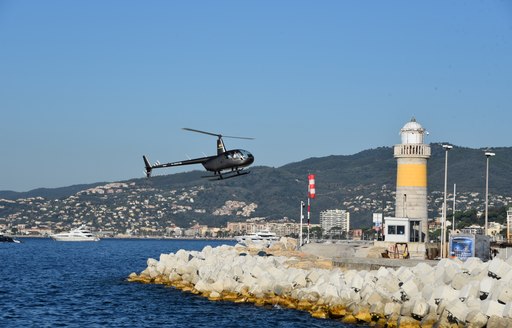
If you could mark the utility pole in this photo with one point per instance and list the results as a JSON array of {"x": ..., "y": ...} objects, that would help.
[
  {"x": 443, "y": 225},
  {"x": 487, "y": 154}
]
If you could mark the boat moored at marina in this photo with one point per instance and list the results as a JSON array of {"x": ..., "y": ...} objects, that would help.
[
  {"x": 78, "y": 234},
  {"x": 260, "y": 237},
  {"x": 7, "y": 239}
]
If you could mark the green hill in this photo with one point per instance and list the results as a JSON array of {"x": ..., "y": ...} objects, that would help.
[{"x": 362, "y": 183}]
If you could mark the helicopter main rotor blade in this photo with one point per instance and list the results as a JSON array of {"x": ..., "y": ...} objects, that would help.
[
  {"x": 204, "y": 132},
  {"x": 216, "y": 134},
  {"x": 233, "y": 137}
]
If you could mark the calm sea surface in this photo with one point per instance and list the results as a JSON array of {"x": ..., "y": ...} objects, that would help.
[{"x": 44, "y": 283}]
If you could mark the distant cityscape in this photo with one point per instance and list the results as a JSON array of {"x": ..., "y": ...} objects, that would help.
[{"x": 130, "y": 210}]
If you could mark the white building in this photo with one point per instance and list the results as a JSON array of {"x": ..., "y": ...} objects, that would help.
[
  {"x": 402, "y": 230},
  {"x": 334, "y": 218},
  {"x": 473, "y": 230}
]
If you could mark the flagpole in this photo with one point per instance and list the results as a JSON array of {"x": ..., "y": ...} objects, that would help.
[{"x": 311, "y": 194}]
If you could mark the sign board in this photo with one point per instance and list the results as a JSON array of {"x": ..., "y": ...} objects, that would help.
[{"x": 377, "y": 221}]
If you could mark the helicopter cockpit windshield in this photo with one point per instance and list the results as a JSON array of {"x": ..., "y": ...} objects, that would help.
[
  {"x": 239, "y": 154},
  {"x": 244, "y": 154}
]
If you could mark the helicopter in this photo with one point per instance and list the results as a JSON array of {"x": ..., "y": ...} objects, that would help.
[{"x": 226, "y": 164}]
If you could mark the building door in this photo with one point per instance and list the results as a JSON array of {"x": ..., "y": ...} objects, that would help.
[{"x": 415, "y": 231}]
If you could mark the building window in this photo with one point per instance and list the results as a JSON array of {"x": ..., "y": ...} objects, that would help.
[{"x": 396, "y": 230}]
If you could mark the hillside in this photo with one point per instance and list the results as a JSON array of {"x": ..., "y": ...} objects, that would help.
[{"x": 362, "y": 183}]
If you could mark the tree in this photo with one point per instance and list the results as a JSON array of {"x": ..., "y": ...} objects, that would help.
[
  {"x": 335, "y": 232},
  {"x": 316, "y": 232}
]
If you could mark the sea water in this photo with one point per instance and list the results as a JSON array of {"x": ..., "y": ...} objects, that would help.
[{"x": 44, "y": 283}]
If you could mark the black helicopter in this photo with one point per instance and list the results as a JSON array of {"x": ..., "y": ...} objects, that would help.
[{"x": 228, "y": 162}]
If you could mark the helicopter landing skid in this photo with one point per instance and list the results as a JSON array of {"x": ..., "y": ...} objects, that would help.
[{"x": 227, "y": 175}]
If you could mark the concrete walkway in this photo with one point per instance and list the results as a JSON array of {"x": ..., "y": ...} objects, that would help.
[
  {"x": 358, "y": 255},
  {"x": 356, "y": 263}
]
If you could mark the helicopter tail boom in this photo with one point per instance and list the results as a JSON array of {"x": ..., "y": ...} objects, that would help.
[{"x": 157, "y": 165}]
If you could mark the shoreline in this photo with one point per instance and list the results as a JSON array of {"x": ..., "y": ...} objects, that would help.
[{"x": 136, "y": 238}]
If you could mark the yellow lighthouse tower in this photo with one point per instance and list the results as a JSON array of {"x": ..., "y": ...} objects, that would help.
[{"x": 411, "y": 180}]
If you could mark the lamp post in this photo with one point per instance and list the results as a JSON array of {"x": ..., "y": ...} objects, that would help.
[
  {"x": 300, "y": 226},
  {"x": 453, "y": 218},
  {"x": 487, "y": 154},
  {"x": 443, "y": 224}
]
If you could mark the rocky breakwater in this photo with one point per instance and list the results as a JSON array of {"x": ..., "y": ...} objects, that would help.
[{"x": 450, "y": 294}]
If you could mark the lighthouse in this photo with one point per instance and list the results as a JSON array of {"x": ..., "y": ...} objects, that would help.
[{"x": 411, "y": 179}]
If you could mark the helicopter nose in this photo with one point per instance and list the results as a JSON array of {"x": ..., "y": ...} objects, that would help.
[{"x": 250, "y": 158}]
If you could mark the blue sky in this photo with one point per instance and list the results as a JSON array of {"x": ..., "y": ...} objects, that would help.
[{"x": 88, "y": 87}]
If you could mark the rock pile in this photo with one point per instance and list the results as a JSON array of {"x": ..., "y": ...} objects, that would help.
[{"x": 451, "y": 294}]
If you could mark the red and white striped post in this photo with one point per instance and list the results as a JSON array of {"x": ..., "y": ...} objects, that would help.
[{"x": 311, "y": 195}]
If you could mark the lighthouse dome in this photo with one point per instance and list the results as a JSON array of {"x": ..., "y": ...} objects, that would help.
[{"x": 412, "y": 132}]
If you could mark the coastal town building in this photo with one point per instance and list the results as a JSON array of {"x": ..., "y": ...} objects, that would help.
[
  {"x": 281, "y": 229},
  {"x": 356, "y": 234},
  {"x": 473, "y": 230},
  {"x": 196, "y": 230},
  {"x": 494, "y": 229},
  {"x": 334, "y": 222}
]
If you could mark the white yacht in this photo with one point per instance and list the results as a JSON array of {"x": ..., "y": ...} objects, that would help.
[
  {"x": 260, "y": 237},
  {"x": 78, "y": 234},
  {"x": 250, "y": 237}
]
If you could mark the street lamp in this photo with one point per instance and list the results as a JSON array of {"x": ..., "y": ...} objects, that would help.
[
  {"x": 453, "y": 211},
  {"x": 443, "y": 224},
  {"x": 300, "y": 226},
  {"x": 487, "y": 154}
]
